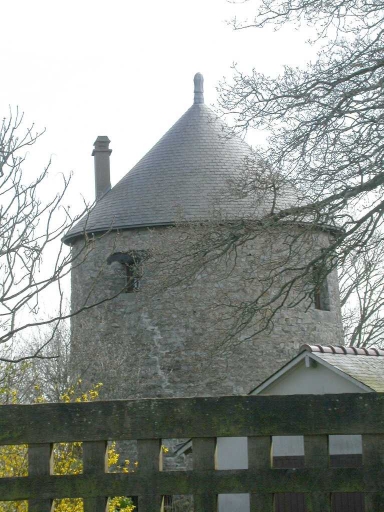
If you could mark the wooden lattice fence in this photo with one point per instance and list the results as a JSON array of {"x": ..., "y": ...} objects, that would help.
[{"x": 203, "y": 420}]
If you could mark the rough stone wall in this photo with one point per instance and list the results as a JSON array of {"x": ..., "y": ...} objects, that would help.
[{"x": 163, "y": 346}]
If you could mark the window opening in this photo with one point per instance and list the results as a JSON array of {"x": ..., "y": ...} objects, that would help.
[
  {"x": 321, "y": 292},
  {"x": 131, "y": 264},
  {"x": 132, "y": 279}
]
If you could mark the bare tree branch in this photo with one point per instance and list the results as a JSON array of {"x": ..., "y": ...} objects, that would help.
[
  {"x": 325, "y": 127},
  {"x": 33, "y": 261}
]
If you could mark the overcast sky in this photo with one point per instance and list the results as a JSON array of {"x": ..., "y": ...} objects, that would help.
[{"x": 122, "y": 68}]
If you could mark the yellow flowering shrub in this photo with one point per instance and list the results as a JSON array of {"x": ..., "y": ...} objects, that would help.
[{"x": 67, "y": 458}]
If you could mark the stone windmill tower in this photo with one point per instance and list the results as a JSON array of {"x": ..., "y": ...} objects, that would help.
[{"x": 161, "y": 349}]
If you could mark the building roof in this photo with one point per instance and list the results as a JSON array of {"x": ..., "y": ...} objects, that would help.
[
  {"x": 182, "y": 177},
  {"x": 363, "y": 366},
  {"x": 338, "y": 349}
]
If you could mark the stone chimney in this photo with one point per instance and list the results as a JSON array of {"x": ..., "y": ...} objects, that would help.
[{"x": 102, "y": 166}]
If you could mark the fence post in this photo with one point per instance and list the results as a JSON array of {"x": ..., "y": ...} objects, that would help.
[
  {"x": 204, "y": 451},
  {"x": 149, "y": 463},
  {"x": 260, "y": 457},
  {"x": 95, "y": 463},
  {"x": 40, "y": 464},
  {"x": 316, "y": 455},
  {"x": 373, "y": 457}
]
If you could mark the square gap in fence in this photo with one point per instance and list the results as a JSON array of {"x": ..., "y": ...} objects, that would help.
[
  {"x": 345, "y": 451},
  {"x": 232, "y": 453},
  {"x": 231, "y": 502},
  {"x": 176, "y": 454},
  {"x": 122, "y": 456},
  {"x": 288, "y": 452},
  {"x": 67, "y": 458},
  {"x": 14, "y": 506},
  {"x": 177, "y": 503},
  {"x": 13, "y": 460},
  {"x": 290, "y": 502},
  {"x": 122, "y": 504},
  {"x": 68, "y": 504}
]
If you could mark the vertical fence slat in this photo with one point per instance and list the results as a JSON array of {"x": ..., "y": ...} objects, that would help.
[
  {"x": 39, "y": 464},
  {"x": 205, "y": 502},
  {"x": 95, "y": 457},
  {"x": 262, "y": 502},
  {"x": 150, "y": 503},
  {"x": 95, "y": 504},
  {"x": 260, "y": 457},
  {"x": 373, "y": 456},
  {"x": 316, "y": 455},
  {"x": 149, "y": 452},
  {"x": 204, "y": 454},
  {"x": 316, "y": 451},
  {"x": 318, "y": 502},
  {"x": 95, "y": 463},
  {"x": 373, "y": 449},
  {"x": 373, "y": 502},
  {"x": 259, "y": 452}
]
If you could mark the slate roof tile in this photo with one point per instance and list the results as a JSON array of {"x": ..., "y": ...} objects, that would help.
[{"x": 186, "y": 171}]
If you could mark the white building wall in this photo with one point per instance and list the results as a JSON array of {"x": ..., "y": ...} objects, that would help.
[{"x": 313, "y": 380}]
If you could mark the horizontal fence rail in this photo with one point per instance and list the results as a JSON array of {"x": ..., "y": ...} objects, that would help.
[{"x": 203, "y": 420}]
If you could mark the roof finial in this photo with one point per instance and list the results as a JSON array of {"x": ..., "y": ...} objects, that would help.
[{"x": 199, "y": 88}]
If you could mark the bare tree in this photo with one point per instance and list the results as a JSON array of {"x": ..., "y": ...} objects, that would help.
[
  {"x": 46, "y": 378},
  {"x": 362, "y": 298},
  {"x": 33, "y": 261},
  {"x": 51, "y": 371},
  {"x": 325, "y": 127}
]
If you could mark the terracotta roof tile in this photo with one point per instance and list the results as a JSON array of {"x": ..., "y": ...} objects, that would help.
[{"x": 338, "y": 349}]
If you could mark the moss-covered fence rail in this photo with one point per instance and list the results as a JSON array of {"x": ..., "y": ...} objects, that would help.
[{"x": 203, "y": 420}]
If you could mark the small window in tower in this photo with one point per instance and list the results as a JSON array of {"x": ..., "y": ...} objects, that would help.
[
  {"x": 132, "y": 278},
  {"x": 131, "y": 266},
  {"x": 321, "y": 291}
]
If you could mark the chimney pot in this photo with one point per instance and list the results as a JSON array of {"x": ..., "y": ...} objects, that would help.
[
  {"x": 199, "y": 88},
  {"x": 101, "y": 153}
]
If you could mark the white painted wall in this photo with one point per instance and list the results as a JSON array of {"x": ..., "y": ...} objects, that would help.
[
  {"x": 283, "y": 446},
  {"x": 315, "y": 380},
  {"x": 232, "y": 453},
  {"x": 234, "y": 503},
  {"x": 345, "y": 445}
]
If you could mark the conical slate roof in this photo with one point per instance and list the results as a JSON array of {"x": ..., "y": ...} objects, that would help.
[{"x": 182, "y": 175}]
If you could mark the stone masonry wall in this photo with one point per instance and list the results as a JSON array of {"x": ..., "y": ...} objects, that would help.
[{"x": 162, "y": 346}]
